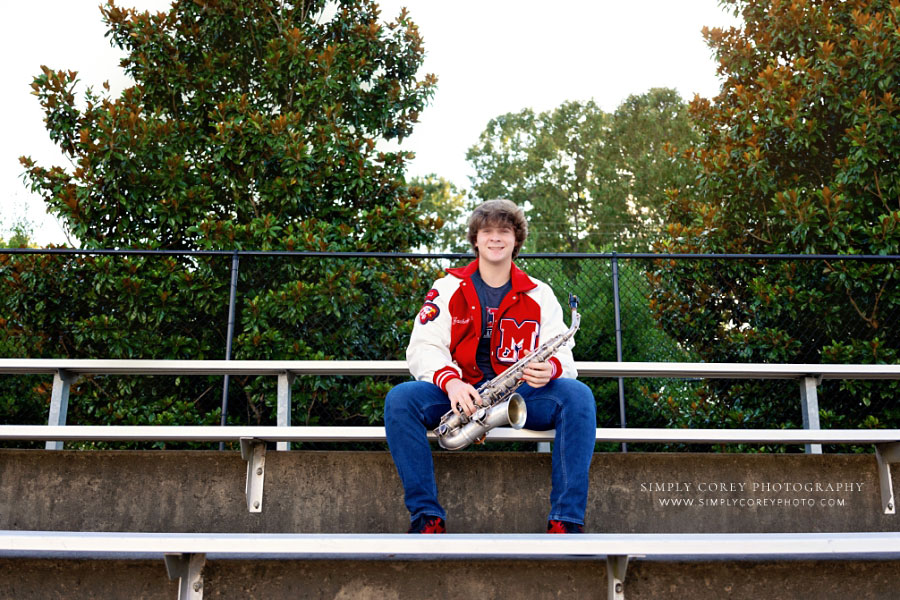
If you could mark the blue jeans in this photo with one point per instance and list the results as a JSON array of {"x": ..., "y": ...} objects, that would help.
[{"x": 567, "y": 405}]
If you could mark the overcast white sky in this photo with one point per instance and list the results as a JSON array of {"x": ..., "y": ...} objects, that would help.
[{"x": 491, "y": 57}]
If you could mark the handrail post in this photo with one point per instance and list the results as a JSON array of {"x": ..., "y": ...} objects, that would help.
[
  {"x": 229, "y": 336},
  {"x": 809, "y": 400},
  {"x": 283, "y": 411},
  {"x": 615, "y": 278},
  {"x": 59, "y": 403}
]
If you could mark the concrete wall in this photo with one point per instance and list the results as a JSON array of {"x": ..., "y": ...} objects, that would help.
[
  {"x": 203, "y": 491},
  {"x": 25, "y": 579},
  {"x": 482, "y": 491}
]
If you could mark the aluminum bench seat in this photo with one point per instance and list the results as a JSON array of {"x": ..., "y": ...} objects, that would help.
[{"x": 186, "y": 553}]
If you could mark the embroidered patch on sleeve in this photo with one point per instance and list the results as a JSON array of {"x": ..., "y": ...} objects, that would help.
[
  {"x": 429, "y": 312},
  {"x": 431, "y": 295}
]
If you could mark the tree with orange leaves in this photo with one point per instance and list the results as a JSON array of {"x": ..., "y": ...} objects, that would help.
[{"x": 799, "y": 154}]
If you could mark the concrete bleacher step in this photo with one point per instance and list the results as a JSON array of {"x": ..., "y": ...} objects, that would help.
[
  {"x": 324, "y": 492},
  {"x": 83, "y": 579}
]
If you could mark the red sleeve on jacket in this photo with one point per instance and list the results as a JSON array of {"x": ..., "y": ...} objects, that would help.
[
  {"x": 443, "y": 376},
  {"x": 557, "y": 368}
]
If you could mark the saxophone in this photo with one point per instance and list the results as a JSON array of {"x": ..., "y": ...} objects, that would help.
[{"x": 500, "y": 405}]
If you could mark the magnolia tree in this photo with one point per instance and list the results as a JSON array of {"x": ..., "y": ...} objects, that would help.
[
  {"x": 799, "y": 154},
  {"x": 251, "y": 124}
]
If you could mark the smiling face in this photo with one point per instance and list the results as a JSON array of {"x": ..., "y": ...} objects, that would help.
[
  {"x": 496, "y": 215},
  {"x": 496, "y": 243}
]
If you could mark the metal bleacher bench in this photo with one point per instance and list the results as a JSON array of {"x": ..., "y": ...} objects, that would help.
[
  {"x": 253, "y": 439},
  {"x": 185, "y": 554}
]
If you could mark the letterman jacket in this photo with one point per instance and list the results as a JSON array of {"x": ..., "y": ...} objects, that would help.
[{"x": 446, "y": 331}]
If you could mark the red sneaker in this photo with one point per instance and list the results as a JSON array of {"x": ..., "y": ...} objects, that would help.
[
  {"x": 428, "y": 524},
  {"x": 554, "y": 526}
]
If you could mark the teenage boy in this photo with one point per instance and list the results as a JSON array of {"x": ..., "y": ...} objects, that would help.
[{"x": 476, "y": 322}]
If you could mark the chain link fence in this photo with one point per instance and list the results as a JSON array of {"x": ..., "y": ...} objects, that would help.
[{"x": 654, "y": 308}]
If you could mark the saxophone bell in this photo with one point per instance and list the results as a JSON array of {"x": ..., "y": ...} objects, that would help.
[
  {"x": 516, "y": 413},
  {"x": 511, "y": 412},
  {"x": 453, "y": 435}
]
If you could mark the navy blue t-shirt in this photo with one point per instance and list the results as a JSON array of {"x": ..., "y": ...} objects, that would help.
[{"x": 490, "y": 299}]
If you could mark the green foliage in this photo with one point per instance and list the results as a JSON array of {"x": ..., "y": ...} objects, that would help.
[
  {"x": 642, "y": 340},
  {"x": 799, "y": 154},
  {"x": 448, "y": 207},
  {"x": 20, "y": 232},
  {"x": 646, "y": 131},
  {"x": 252, "y": 124},
  {"x": 543, "y": 163},
  {"x": 588, "y": 179}
]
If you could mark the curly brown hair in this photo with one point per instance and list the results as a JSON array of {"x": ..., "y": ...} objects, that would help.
[{"x": 499, "y": 213}]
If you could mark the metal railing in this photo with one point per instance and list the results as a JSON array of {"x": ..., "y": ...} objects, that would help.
[
  {"x": 253, "y": 439},
  {"x": 111, "y": 297}
]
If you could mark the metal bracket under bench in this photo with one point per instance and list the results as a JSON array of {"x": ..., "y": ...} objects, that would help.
[{"x": 886, "y": 455}]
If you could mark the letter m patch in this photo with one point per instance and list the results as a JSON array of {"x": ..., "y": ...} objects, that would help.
[{"x": 516, "y": 338}]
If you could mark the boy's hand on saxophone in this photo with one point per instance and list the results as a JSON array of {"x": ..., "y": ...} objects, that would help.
[
  {"x": 537, "y": 374},
  {"x": 462, "y": 396}
]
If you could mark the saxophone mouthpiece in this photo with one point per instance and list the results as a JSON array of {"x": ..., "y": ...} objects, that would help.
[{"x": 573, "y": 301}]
